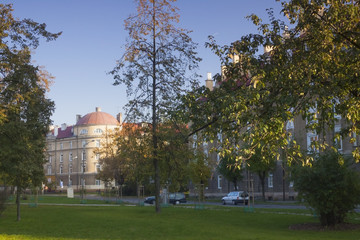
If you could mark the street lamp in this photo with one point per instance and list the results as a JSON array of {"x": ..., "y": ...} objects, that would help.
[{"x": 83, "y": 169}]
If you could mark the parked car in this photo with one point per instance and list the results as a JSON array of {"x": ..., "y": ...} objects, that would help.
[
  {"x": 235, "y": 198},
  {"x": 150, "y": 200},
  {"x": 177, "y": 198}
]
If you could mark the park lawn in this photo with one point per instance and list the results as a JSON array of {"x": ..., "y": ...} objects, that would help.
[{"x": 139, "y": 222}]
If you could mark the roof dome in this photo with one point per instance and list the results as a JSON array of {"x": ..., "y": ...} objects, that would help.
[{"x": 97, "y": 118}]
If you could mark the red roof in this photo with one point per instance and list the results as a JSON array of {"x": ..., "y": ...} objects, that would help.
[
  {"x": 65, "y": 133},
  {"x": 97, "y": 118}
]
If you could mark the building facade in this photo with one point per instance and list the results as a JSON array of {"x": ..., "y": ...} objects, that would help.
[
  {"x": 278, "y": 184},
  {"x": 72, "y": 161}
]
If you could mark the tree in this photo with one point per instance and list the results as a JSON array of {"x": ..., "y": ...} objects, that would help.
[
  {"x": 311, "y": 70},
  {"x": 23, "y": 133},
  {"x": 24, "y": 109},
  {"x": 330, "y": 185},
  {"x": 262, "y": 166},
  {"x": 227, "y": 167},
  {"x": 155, "y": 67}
]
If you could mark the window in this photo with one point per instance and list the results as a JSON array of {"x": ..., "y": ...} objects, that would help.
[
  {"x": 70, "y": 168},
  {"x": 206, "y": 149},
  {"x": 83, "y": 155},
  {"x": 49, "y": 170},
  {"x": 338, "y": 139},
  {"x": 312, "y": 138},
  {"x": 83, "y": 132},
  {"x": 97, "y": 167},
  {"x": 70, "y": 157},
  {"x": 290, "y": 125},
  {"x": 98, "y": 131},
  {"x": 50, "y": 159},
  {"x": 70, "y": 144},
  {"x": 61, "y": 157},
  {"x": 355, "y": 139},
  {"x": 271, "y": 180},
  {"x": 61, "y": 169},
  {"x": 97, "y": 156},
  {"x": 219, "y": 181},
  {"x": 70, "y": 182},
  {"x": 97, "y": 143},
  {"x": 97, "y": 182},
  {"x": 61, "y": 146}
]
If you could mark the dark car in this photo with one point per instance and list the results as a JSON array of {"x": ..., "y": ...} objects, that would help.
[
  {"x": 177, "y": 198},
  {"x": 150, "y": 200}
]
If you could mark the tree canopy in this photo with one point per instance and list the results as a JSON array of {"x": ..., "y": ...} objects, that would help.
[
  {"x": 24, "y": 108},
  {"x": 157, "y": 66}
]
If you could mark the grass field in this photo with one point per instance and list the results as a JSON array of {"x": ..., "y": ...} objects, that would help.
[{"x": 139, "y": 222}]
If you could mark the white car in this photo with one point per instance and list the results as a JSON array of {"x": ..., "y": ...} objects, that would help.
[{"x": 235, "y": 198}]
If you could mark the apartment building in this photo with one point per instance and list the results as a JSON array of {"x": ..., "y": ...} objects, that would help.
[{"x": 72, "y": 161}]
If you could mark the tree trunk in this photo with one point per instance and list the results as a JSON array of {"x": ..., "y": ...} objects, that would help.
[
  {"x": 18, "y": 195},
  {"x": 154, "y": 120},
  {"x": 262, "y": 181},
  {"x": 235, "y": 185}
]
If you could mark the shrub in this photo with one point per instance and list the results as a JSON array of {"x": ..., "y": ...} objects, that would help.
[{"x": 330, "y": 185}]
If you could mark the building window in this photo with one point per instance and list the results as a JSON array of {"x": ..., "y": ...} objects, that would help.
[
  {"x": 97, "y": 182},
  {"x": 61, "y": 146},
  {"x": 83, "y": 155},
  {"x": 271, "y": 180},
  {"x": 97, "y": 143},
  {"x": 83, "y": 132},
  {"x": 98, "y": 131},
  {"x": 70, "y": 182},
  {"x": 219, "y": 181},
  {"x": 50, "y": 159},
  {"x": 61, "y": 169},
  {"x": 70, "y": 168},
  {"x": 49, "y": 170},
  {"x": 97, "y": 156},
  {"x": 61, "y": 157},
  {"x": 70, "y": 157},
  {"x": 311, "y": 139},
  {"x": 338, "y": 139},
  {"x": 355, "y": 139},
  {"x": 97, "y": 167},
  {"x": 70, "y": 144}
]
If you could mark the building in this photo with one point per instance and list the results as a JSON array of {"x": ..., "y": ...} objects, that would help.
[
  {"x": 70, "y": 151},
  {"x": 278, "y": 184}
]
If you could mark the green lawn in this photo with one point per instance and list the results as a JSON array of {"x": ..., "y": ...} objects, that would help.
[{"x": 124, "y": 222}]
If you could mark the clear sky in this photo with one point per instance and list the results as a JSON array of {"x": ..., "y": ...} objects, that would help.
[{"x": 93, "y": 39}]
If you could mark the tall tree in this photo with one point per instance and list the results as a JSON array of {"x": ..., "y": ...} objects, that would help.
[
  {"x": 311, "y": 70},
  {"x": 155, "y": 67},
  {"x": 24, "y": 109}
]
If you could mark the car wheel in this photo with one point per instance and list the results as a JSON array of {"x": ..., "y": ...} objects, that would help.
[
  {"x": 223, "y": 202},
  {"x": 177, "y": 202}
]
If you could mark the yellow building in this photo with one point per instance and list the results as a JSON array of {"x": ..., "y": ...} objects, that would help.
[{"x": 70, "y": 150}]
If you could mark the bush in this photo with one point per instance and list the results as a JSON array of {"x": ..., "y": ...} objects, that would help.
[{"x": 330, "y": 185}]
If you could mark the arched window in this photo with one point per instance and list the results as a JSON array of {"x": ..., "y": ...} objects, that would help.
[
  {"x": 83, "y": 131},
  {"x": 98, "y": 131}
]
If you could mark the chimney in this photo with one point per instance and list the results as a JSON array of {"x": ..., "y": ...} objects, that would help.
[
  {"x": 63, "y": 127},
  {"x": 209, "y": 83},
  {"x": 78, "y": 116},
  {"x": 56, "y": 130},
  {"x": 98, "y": 109},
  {"x": 119, "y": 118}
]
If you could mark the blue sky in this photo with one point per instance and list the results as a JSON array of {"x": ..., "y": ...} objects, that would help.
[{"x": 93, "y": 39}]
